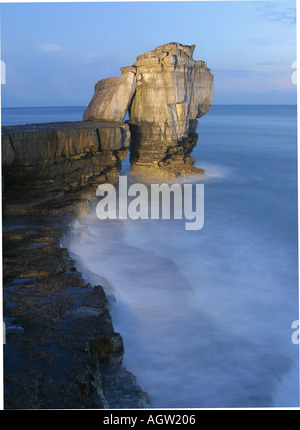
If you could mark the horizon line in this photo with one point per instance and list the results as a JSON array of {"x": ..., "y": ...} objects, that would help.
[{"x": 217, "y": 104}]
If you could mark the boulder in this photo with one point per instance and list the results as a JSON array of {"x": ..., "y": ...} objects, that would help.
[{"x": 111, "y": 99}]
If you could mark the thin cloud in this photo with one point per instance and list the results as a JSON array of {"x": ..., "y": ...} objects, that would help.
[
  {"x": 274, "y": 12},
  {"x": 48, "y": 47},
  {"x": 269, "y": 63}
]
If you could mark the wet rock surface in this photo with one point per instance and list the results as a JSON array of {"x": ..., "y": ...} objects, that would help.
[{"x": 61, "y": 350}]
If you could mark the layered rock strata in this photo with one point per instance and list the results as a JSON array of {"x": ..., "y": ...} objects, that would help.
[
  {"x": 172, "y": 90},
  {"x": 46, "y": 166},
  {"x": 169, "y": 97}
]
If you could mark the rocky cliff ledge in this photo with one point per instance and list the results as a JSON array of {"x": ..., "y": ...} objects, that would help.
[
  {"x": 61, "y": 349},
  {"x": 49, "y": 167},
  {"x": 164, "y": 91}
]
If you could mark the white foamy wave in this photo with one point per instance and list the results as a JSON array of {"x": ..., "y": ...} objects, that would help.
[{"x": 214, "y": 171}]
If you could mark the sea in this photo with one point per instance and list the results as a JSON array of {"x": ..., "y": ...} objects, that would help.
[{"x": 208, "y": 317}]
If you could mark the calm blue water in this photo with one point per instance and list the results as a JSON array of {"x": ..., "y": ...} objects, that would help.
[
  {"x": 206, "y": 315},
  {"x": 37, "y": 115}
]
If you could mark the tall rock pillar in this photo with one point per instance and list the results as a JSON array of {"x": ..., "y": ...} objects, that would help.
[{"x": 172, "y": 90}]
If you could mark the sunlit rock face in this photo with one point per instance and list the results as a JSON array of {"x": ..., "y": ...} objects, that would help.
[
  {"x": 165, "y": 90},
  {"x": 172, "y": 90},
  {"x": 111, "y": 99}
]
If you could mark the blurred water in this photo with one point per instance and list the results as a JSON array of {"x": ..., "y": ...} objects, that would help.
[{"x": 206, "y": 315}]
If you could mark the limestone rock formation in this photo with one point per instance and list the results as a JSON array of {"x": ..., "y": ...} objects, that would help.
[
  {"x": 171, "y": 90},
  {"x": 49, "y": 162},
  {"x": 111, "y": 99},
  {"x": 203, "y": 90}
]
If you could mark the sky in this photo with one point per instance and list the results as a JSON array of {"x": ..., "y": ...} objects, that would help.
[{"x": 54, "y": 53}]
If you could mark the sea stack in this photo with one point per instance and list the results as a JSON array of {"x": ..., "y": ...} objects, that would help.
[{"x": 165, "y": 90}]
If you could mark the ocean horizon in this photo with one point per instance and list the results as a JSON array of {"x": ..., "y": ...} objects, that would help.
[{"x": 42, "y": 114}]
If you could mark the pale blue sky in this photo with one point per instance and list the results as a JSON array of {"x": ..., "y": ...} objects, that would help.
[{"x": 56, "y": 52}]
